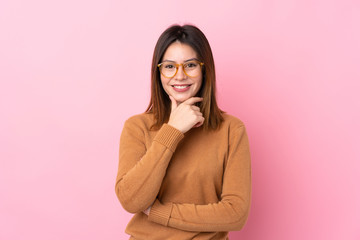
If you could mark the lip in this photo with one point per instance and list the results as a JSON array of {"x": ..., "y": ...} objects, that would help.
[{"x": 183, "y": 89}]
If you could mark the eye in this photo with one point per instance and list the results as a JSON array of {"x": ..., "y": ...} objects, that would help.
[
  {"x": 191, "y": 65},
  {"x": 169, "y": 66}
]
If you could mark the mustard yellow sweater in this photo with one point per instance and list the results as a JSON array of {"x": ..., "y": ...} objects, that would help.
[{"x": 198, "y": 183}]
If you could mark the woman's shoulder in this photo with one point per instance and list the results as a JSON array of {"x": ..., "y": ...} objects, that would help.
[
  {"x": 141, "y": 120},
  {"x": 141, "y": 117},
  {"x": 232, "y": 121}
]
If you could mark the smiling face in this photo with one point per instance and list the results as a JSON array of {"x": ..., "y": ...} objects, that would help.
[{"x": 181, "y": 87}]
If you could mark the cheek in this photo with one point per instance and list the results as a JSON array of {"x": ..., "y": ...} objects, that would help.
[
  {"x": 199, "y": 85},
  {"x": 164, "y": 83},
  {"x": 199, "y": 82}
]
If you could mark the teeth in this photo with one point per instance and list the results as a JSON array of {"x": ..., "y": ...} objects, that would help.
[{"x": 181, "y": 87}]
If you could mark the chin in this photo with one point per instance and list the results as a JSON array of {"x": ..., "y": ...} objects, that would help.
[{"x": 182, "y": 99}]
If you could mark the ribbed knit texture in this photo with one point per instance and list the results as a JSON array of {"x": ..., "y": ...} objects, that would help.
[
  {"x": 198, "y": 184},
  {"x": 169, "y": 136},
  {"x": 160, "y": 213}
]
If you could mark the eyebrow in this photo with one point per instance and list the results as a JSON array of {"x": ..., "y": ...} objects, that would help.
[{"x": 184, "y": 61}]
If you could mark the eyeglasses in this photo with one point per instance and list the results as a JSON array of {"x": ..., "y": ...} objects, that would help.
[{"x": 191, "y": 68}]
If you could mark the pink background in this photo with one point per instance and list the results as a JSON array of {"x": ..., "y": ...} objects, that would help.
[{"x": 73, "y": 71}]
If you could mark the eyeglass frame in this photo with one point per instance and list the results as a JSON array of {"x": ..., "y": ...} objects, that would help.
[{"x": 177, "y": 65}]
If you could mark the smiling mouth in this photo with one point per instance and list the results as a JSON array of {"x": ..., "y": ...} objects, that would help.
[{"x": 181, "y": 86}]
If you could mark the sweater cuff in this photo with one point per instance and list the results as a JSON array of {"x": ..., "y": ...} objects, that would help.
[
  {"x": 169, "y": 136},
  {"x": 160, "y": 213}
]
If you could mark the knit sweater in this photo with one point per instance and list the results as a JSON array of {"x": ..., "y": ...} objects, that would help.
[{"x": 198, "y": 184}]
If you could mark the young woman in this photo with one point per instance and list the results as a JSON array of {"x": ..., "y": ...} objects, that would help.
[{"x": 184, "y": 165}]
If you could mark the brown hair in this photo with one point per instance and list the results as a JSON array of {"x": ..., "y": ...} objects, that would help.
[{"x": 160, "y": 104}]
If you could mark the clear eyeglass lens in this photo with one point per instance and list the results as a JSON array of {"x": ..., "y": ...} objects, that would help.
[{"x": 191, "y": 68}]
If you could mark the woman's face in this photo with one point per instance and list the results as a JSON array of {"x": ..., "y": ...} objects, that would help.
[{"x": 181, "y": 87}]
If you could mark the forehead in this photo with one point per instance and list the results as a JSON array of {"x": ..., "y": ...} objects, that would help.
[{"x": 179, "y": 52}]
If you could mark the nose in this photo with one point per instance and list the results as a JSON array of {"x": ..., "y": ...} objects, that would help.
[{"x": 180, "y": 75}]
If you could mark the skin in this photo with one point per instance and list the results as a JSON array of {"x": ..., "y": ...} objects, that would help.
[
  {"x": 184, "y": 114},
  {"x": 179, "y": 53}
]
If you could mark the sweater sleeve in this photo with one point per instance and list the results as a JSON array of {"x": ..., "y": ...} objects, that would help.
[
  {"x": 230, "y": 213},
  {"x": 142, "y": 170}
]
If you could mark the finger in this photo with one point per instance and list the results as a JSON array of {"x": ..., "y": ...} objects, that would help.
[
  {"x": 200, "y": 123},
  {"x": 173, "y": 103},
  {"x": 195, "y": 108},
  {"x": 197, "y": 113},
  {"x": 193, "y": 100}
]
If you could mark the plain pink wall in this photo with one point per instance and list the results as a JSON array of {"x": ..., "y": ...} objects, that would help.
[{"x": 73, "y": 71}]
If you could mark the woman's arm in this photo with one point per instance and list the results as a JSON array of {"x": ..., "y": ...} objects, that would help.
[
  {"x": 231, "y": 212},
  {"x": 141, "y": 171}
]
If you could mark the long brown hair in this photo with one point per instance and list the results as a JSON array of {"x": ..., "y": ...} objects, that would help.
[{"x": 160, "y": 104}]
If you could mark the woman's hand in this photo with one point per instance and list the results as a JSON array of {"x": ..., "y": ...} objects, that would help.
[{"x": 185, "y": 115}]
